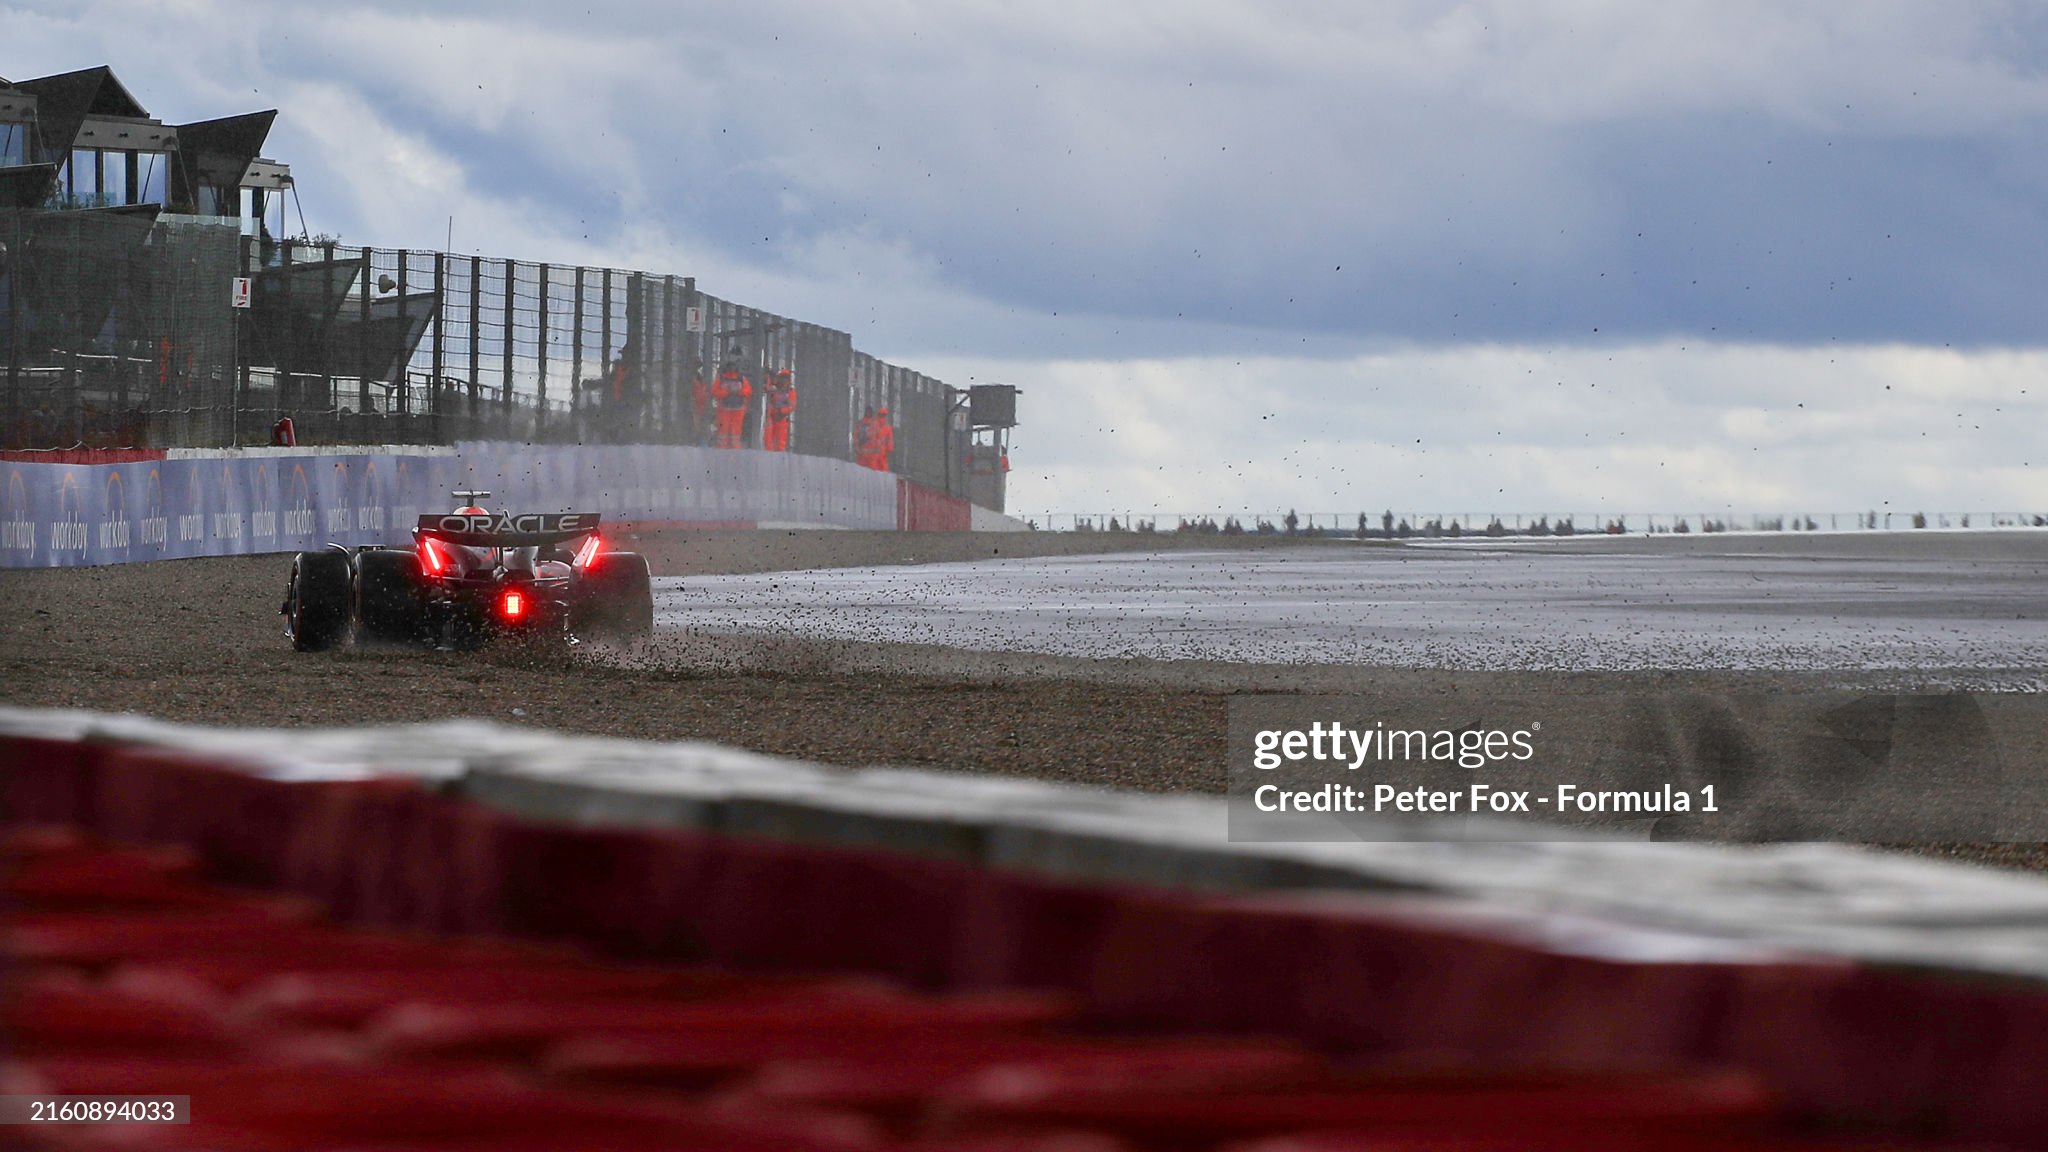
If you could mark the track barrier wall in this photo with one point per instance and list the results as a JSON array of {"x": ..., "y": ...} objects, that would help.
[
  {"x": 921, "y": 509},
  {"x": 1419, "y": 979},
  {"x": 234, "y": 502}
]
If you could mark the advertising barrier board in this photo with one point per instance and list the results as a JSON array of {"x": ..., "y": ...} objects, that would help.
[{"x": 226, "y": 503}]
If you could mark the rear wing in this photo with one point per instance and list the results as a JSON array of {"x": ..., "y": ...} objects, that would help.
[{"x": 504, "y": 530}]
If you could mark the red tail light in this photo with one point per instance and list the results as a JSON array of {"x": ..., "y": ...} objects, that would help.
[
  {"x": 586, "y": 553},
  {"x": 431, "y": 558},
  {"x": 513, "y": 605}
]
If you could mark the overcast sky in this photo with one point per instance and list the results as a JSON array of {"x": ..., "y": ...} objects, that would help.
[{"x": 1523, "y": 256}]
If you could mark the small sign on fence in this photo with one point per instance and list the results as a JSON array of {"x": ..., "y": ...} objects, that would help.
[
  {"x": 693, "y": 319},
  {"x": 240, "y": 298}
]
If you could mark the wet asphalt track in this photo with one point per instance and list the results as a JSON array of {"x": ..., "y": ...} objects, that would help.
[{"x": 1791, "y": 605}]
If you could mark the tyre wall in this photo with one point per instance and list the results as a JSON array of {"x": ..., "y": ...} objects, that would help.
[
  {"x": 1132, "y": 909},
  {"x": 225, "y": 502}
]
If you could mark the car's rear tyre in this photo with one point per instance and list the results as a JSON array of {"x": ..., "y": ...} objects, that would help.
[
  {"x": 616, "y": 599},
  {"x": 316, "y": 602},
  {"x": 387, "y": 596}
]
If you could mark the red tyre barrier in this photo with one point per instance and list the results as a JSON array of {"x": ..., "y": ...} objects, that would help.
[
  {"x": 840, "y": 1007},
  {"x": 794, "y": 906},
  {"x": 434, "y": 865},
  {"x": 389, "y": 853},
  {"x": 383, "y": 852},
  {"x": 75, "y": 878},
  {"x": 1568, "y": 1137},
  {"x": 47, "y": 782},
  {"x": 102, "y": 939},
  {"x": 1907, "y": 1052},
  {"x": 241, "y": 824},
  {"x": 1018, "y": 931},
  {"x": 628, "y": 893},
  {"x": 1381, "y": 981},
  {"x": 1543, "y": 1112},
  {"x": 58, "y": 1015},
  {"x": 348, "y": 999},
  {"x": 696, "y": 1062},
  {"x": 899, "y": 1085},
  {"x": 1904, "y": 1051}
]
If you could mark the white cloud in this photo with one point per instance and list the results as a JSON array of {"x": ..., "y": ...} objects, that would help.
[
  {"x": 1480, "y": 430},
  {"x": 551, "y": 94}
]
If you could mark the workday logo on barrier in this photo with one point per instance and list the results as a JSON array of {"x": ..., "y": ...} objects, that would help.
[
  {"x": 229, "y": 522},
  {"x": 298, "y": 518},
  {"x": 338, "y": 516},
  {"x": 155, "y": 528},
  {"x": 369, "y": 510},
  {"x": 68, "y": 534},
  {"x": 192, "y": 521},
  {"x": 17, "y": 520},
  {"x": 113, "y": 529},
  {"x": 262, "y": 512}
]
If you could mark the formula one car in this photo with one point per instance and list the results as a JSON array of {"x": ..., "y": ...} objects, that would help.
[{"x": 470, "y": 576}]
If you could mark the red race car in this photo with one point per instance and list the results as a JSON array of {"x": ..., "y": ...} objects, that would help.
[{"x": 472, "y": 575}]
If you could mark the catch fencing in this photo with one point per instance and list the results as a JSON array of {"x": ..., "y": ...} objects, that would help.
[
  {"x": 116, "y": 330},
  {"x": 122, "y": 330}
]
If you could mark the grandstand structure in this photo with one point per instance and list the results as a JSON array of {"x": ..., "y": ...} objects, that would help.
[{"x": 152, "y": 296}]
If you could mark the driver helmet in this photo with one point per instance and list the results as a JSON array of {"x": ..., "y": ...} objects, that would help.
[{"x": 475, "y": 558}]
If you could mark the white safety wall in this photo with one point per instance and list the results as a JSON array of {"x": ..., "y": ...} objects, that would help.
[{"x": 222, "y": 503}]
